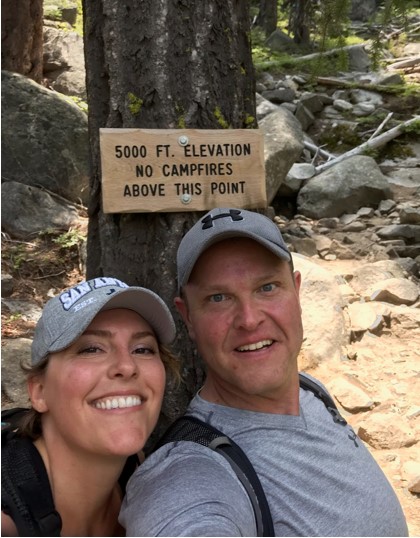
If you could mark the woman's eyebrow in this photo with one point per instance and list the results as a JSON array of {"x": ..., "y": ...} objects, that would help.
[{"x": 105, "y": 332}]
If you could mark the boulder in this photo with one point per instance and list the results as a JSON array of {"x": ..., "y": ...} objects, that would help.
[
  {"x": 28, "y": 210},
  {"x": 349, "y": 185},
  {"x": 44, "y": 139},
  {"x": 283, "y": 144}
]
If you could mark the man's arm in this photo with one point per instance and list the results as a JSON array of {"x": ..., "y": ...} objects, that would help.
[{"x": 186, "y": 490}]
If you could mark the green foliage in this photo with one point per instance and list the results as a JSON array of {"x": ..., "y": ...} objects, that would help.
[
  {"x": 77, "y": 101},
  {"x": 340, "y": 138},
  {"x": 17, "y": 256},
  {"x": 414, "y": 127},
  {"x": 69, "y": 239}
]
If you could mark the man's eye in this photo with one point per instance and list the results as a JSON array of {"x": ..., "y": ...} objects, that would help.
[
  {"x": 217, "y": 298},
  {"x": 268, "y": 287}
]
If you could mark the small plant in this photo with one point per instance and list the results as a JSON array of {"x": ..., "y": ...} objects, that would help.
[
  {"x": 18, "y": 256},
  {"x": 70, "y": 239}
]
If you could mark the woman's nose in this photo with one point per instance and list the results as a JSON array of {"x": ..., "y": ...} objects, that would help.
[{"x": 123, "y": 364}]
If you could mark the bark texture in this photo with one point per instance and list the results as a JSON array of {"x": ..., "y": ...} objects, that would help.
[
  {"x": 21, "y": 37},
  {"x": 188, "y": 64}
]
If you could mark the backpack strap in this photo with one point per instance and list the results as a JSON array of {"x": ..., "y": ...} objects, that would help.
[
  {"x": 25, "y": 488},
  {"x": 188, "y": 428},
  {"x": 309, "y": 384}
]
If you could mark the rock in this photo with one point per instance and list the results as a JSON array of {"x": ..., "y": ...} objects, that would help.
[
  {"x": 394, "y": 290},
  {"x": 280, "y": 41},
  {"x": 28, "y": 210},
  {"x": 64, "y": 62},
  {"x": 409, "y": 215},
  {"x": 323, "y": 319},
  {"x": 347, "y": 186},
  {"x": 283, "y": 143},
  {"x": 406, "y": 231},
  {"x": 363, "y": 316},
  {"x": 279, "y": 95},
  {"x": 7, "y": 285},
  {"x": 28, "y": 311},
  {"x": 411, "y": 472},
  {"x": 382, "y": 430},
  {"x": 264, "y": 107},
  {"x": 369, "y": 275},
  {"x": 351, "y": 397},
  {"x": 38, "y": 150},
  {"x": 14, "y": 351}
]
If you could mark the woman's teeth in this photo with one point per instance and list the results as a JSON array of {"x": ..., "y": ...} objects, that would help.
[
  {"x": 118, "y": 402},
  {"x": 257, "y": 345}
]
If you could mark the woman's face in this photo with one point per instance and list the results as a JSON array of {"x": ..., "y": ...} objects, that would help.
[{"x": 103, "y": 394}]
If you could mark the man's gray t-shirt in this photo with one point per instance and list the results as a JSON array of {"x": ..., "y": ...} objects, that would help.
[{"x": 319, "y": 479}]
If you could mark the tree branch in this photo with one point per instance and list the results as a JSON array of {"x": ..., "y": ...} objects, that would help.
[{"x": 371, "y": 144}]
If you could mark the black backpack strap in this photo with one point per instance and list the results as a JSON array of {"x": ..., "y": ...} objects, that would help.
[
  {"x": 25, "y": 488},
  {"x": 308, "y": 384},
  {"x": 189, "y": 428}
]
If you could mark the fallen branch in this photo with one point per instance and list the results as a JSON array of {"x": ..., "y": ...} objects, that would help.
[
  {"x": 381, "y": 126},
  {"x": 318, "y": 151},
  {"x": 380, "y": 140},
  {"x": 330, "y": 81},
  {"x": 410, "y": 62}
]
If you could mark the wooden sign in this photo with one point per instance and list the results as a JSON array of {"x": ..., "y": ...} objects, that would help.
[{"x": 148, "y": 170}]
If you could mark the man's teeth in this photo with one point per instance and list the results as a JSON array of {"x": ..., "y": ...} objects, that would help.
[
  {"x": 257, "y": 345},
  {"x": 118, "y": 402}
]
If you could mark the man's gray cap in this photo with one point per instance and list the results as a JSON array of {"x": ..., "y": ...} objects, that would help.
[
  {"x": 222, "y": 223},
  {"x": 66, "y": 316}
]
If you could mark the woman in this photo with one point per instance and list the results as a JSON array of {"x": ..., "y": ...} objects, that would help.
[{"x": 96, "y": 385}]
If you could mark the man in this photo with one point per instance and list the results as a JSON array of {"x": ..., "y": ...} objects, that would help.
[{"x": 239, "y": 298}]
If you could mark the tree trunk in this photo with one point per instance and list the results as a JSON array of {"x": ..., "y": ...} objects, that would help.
[
  {"x": 267, "y": 16},
  {"x": 21, "y": 37},
  {"x": 299, "y": 21},
  {"x": 185, "y": 61}
]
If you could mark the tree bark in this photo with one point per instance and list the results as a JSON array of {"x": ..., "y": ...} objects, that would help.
[
  {"x": 184, "y": 60},
  {"x": 21, "y": 37}
]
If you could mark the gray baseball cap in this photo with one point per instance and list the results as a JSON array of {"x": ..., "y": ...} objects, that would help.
[
  {"x": 66, "y": 316},
  {"x": 222, "y": 223}
]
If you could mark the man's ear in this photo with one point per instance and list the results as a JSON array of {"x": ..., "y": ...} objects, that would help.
[
  {"x": 182, "y": 307},
  {"x": 36, "y": 390}
]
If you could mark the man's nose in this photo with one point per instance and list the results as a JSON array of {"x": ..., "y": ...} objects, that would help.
[{"x": 248, "y": 316}]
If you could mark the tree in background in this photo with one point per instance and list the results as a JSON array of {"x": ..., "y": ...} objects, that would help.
[
  {"x": 160, "y": 64},
  {"x": 267, "y": 16},
  {"x": 21, "y": 37}
]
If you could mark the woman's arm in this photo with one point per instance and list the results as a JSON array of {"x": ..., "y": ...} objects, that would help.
[{"x": 8, "y": 527}]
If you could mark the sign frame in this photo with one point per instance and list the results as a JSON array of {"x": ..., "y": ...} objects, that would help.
[{"x": 169, "y": 170}]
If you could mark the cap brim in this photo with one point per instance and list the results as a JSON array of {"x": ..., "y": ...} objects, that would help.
[{"x": 150, "y": 307}]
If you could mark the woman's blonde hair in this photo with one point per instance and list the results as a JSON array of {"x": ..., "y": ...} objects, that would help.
[{"x": 30, "y": 424}]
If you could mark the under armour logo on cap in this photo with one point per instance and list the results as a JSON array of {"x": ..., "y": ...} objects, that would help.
[{"x": 234, "y": 214}]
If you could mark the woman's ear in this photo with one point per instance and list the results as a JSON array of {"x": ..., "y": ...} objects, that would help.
[{"x": 36, "y": 391}]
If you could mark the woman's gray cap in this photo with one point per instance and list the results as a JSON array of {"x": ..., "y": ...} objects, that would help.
[
  {"x": 66, "y": 316},
  {"x": 222, "y": 223}
]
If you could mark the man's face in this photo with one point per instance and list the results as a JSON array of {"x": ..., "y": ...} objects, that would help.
[{"x": 241, "y": 307}]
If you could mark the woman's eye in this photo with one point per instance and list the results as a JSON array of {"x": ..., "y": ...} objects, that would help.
[
  {"x": 90, "y": 349},
  {"x": 145, "y": 351},
  {"x": 217, "y": 297}
]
